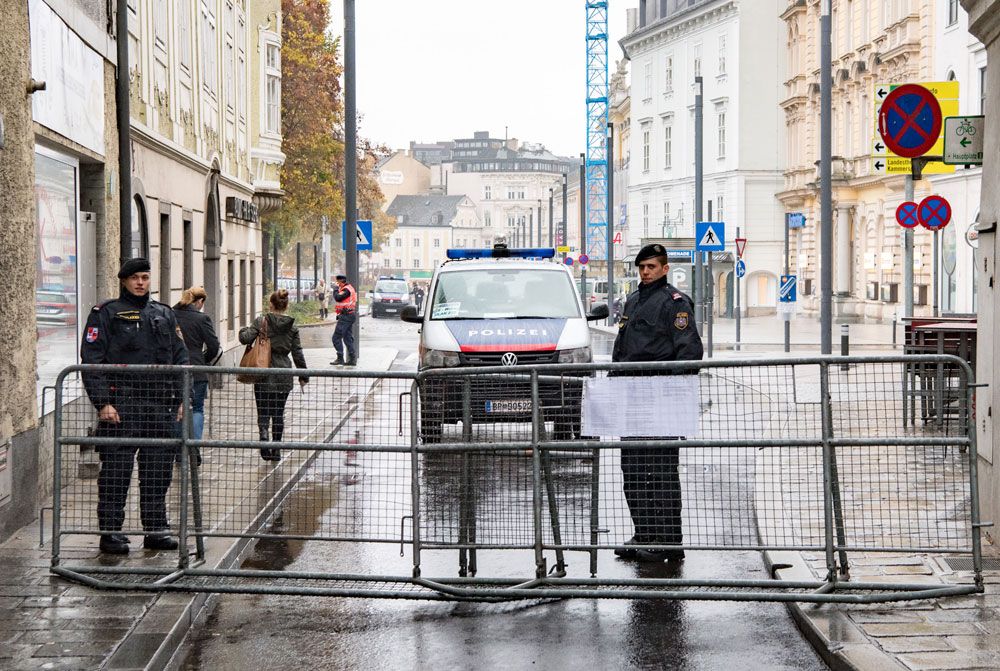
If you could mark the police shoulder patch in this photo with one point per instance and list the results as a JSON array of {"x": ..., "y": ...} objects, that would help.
[
  {"x": 92, "y": 333},
  {"x": 681, "y": 321},
  {"x": 677, "y": 295}
]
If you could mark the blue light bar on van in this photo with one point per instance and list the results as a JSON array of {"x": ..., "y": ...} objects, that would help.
[{"x": 501, "y": 252}]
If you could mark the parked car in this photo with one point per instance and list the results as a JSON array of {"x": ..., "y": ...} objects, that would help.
[{"x": 55, "y": 307}]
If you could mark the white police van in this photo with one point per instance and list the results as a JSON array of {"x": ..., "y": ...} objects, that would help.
[{"x": 501, "y": 307}]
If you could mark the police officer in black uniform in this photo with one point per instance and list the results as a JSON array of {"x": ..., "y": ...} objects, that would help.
[
  {"x": 133, "y": 329},
  {"x": 657, "y": 324}
]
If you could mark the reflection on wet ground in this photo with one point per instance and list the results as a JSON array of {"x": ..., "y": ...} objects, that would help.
[{"x": 272, "y": 632}]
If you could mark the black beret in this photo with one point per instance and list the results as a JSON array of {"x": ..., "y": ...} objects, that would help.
[
  {"x": 133, "y": 266},
  {"x": 341, "y": 277},
  {"x": 649, "y": 252}
]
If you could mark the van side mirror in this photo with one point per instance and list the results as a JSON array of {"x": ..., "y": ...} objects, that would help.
[
  {"x": 410, "y": 314},
  {"x": 599, "y": 311}
]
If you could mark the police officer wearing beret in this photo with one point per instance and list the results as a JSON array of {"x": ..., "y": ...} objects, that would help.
[
  {"x": 133, "y": 329},
  {"x": 657, "y": 324}
]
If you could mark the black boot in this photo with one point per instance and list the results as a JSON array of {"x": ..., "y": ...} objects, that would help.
[
  {"x": 114, "y": 544},
  {"x": 159, "y": 542},
  {"x": 339, "y": 362},
  {"x": 274, "y": 454},
  {"x": 352, "y": 360},
  {"x": 265, "y": 452}
]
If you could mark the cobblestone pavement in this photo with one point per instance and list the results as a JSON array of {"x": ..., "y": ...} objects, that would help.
[{"x": 51, "y": 623}]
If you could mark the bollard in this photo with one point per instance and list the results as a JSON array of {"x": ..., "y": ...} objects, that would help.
[
  {"x": 894, "y": 316},
  {"x": 845, "y": 346}
]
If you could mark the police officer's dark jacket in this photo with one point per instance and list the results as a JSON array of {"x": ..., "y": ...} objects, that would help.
[
  {"x": 286, "y": 346},
  {"x": 134, "y": 330},
  {"x": 657, "y": 325},
  {"x": 199, "y": 336}
]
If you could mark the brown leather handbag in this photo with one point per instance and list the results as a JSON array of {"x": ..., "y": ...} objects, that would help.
[{"x": 257, "y": 355}]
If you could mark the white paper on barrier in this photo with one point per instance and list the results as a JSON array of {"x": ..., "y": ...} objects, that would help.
[{"x": 660, "y": 405}]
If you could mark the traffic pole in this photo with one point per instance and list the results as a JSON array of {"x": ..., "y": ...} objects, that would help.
[
  {"x": 699, "y": 171},
  {"x": 583, "y": 228},
  {"x": 826, "y": 185},
  {"x": 610, "y": 260},
  {"x": 298, "y": 272},
  {"x": 709, "y": 299},
  {"x": 908, "y": 251},
  {"x": 787, "y": 316},
  {"x": 552, "y": 242},
  {"x": 738, "y": 308},
  {"x": 936, "y": 281},
  {"x": 351, "y": 160},
  {"x": 565, "y": 211}
]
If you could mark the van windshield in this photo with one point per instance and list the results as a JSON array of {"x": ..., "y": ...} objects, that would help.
[
  {"x": 391, "y": 287},
  {"x": 504, "y": 294}
]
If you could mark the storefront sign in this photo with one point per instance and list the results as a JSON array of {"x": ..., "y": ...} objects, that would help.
[
  {"x": 72, "y": 103},
  {"x": 237, "y": 208}
]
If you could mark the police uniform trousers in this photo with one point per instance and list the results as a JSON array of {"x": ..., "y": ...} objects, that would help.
[
  {"x": 652, "y": 489},
  {"x": 343, "y": 334},
  {"x": 155, "y": 475}
]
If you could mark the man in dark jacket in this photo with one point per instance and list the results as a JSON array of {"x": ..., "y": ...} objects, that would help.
[
  {"x": 203, "y": 347},
  {"x": 133, "y": 329},
  {"x": 657, "y": 324}
]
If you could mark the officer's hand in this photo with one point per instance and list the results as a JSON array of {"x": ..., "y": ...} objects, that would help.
[
  {"x": 109, "y": 414},
  {"x": 180, "y": 412},
  {"x": 303, "y": 381}
]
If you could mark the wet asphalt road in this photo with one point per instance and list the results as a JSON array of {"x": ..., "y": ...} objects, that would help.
[{"x": 276, "y": 632}]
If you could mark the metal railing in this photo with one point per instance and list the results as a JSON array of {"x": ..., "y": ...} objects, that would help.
[{"x": 812, "y": 454}]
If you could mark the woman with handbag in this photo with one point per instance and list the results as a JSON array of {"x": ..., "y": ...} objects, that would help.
[
  {"x": 277, "y": 330},
  {"x": 324, "y": 303},
  {"x": 203, "y": 347}
]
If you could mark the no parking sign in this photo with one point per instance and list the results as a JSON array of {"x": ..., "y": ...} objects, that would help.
[{"x": 934, "y": 212}]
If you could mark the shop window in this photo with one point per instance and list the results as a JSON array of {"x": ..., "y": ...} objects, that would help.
[{"x": 56, "y": 303}]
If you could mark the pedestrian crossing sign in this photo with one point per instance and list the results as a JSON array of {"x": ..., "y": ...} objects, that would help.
[
  {"x": 710, "y": 236},
  {"x": 364, "y": 236}
]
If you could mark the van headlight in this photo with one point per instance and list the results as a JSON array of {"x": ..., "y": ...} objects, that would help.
[
  {"x": 436, "y": 358},
  {"x": 577, "y": 355}
]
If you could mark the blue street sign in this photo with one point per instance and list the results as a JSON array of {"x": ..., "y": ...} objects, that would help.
[
  {"x": 710, "y": 236},
  {"x": 364, "y": 236},
  {"x": 795, "y": 219},
  {"x": 741, "y": 268},
  {"x": 787, "y": 289}
]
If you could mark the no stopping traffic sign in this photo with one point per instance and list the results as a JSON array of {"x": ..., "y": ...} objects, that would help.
[
  {"x": 934, "y": 212},
  {"x": 909, "y": 120},
  {"x": 906, "y": 215}
]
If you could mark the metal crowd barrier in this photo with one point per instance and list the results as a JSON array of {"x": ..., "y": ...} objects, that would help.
[{"x": 476, "y": 483}]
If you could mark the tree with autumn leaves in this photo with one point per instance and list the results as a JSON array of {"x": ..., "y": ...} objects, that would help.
[{"x": 313, "y": 130}]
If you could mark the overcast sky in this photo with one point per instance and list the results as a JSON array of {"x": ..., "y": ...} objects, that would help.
[{"x": 441, "y": 69}]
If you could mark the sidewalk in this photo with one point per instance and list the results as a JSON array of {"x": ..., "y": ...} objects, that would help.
[
  {"x": 767, "y": 333},
  {"x": 50, "y": 623},
  {"x": 911, "y": 498}
]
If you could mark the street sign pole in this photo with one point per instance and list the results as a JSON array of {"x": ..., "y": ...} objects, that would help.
[
  {"x": 826, "y": 186},
  {"x": 552, "y": 242},
  {"x": 610, "y": 257},
  {"x": 908, "y": 252},
  {"x": 699, "y": 170},
  {"x": 351, "y": 160},
  {"x": 936, "y": 280},
  {"x": 565, "y": 211},
  {"x": 737, "y": 290},
  {"x": 710, "y": 298},
  {"x": 583, "y": 228},
  {"x": 787, "y": 316}
]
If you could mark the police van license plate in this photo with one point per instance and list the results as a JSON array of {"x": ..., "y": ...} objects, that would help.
[{"x": 508, "y": 406}]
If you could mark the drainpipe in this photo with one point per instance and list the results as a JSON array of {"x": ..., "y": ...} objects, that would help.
[{"x": 124, "y": 125}]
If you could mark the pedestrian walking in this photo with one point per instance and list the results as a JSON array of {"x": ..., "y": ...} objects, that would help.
[
  {"x": 657, "y": 324},
  {"x": 133, "y": 329},
  {"x": 203, "y": 348},
  {"x": 271, "y": 392},
  {"x": 323, "y": 298},
  {"x": 346, "y": 307},
  {"x": 418, "y": 296}
]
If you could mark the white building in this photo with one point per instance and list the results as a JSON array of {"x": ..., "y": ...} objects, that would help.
[
  {"x": 734, "y": 46},
  {"x": 426, "y": 226},
  {"x": 960, "y": 57}
]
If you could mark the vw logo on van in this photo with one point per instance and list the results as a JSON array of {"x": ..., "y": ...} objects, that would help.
[{"x": 509, "y": 359}]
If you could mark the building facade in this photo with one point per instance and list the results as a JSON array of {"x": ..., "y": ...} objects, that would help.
[
  {"x": 426, "y": 226},
  {"x": 728, "y": 43},
  {"x": 206, "y": 141},
  {"x": 984, "y": 24},
  {"x": 875, "y": 43},
  {"x": 399, "y": 174},
  {"x": 58, "y": 180}
]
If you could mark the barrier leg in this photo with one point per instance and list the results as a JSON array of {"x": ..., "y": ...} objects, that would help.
[
  {"x": 595, "y": 513},
  {"x": 550, "y": 492},
  {"x": 536, "y": 477}
]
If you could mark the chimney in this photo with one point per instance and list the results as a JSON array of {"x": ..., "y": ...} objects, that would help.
[
  {"x": 512, "y": 144},
  {"x": 642, "y": 13},
  {"x": 631, "y": 20}
]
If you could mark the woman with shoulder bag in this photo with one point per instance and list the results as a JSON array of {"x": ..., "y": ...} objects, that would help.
[
  {"x": 271, "y": 392},
  {"x": 324, "y": 302},
  {"x": 203, "y": 347}
]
